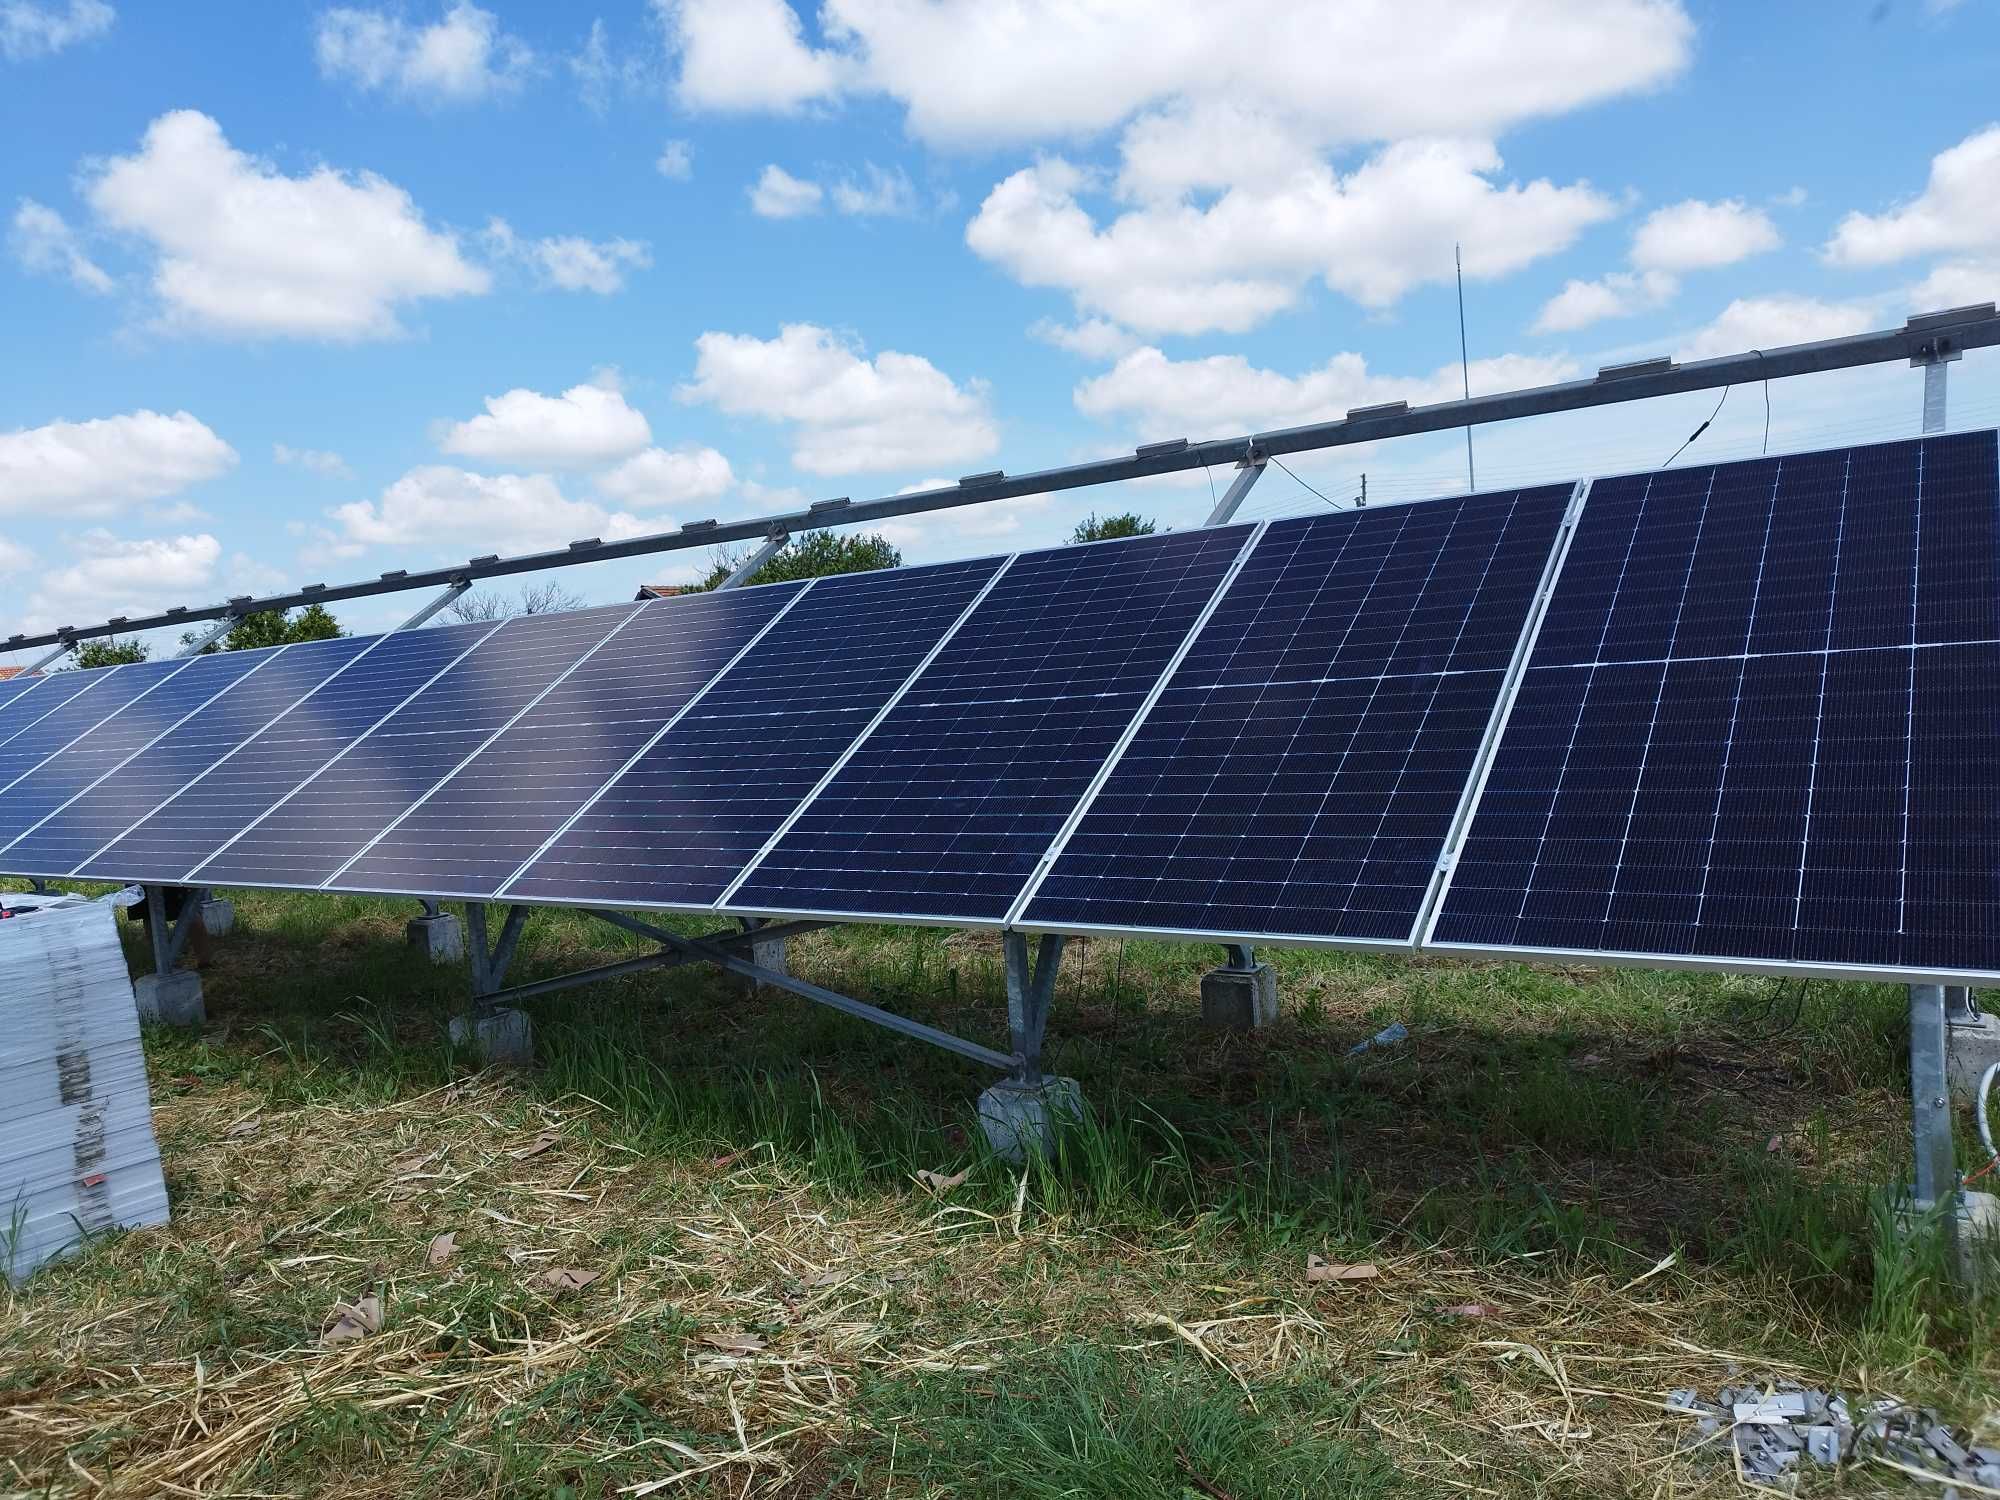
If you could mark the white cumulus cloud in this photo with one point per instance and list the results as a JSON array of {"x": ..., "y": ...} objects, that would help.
[
  {"x": 1699, "y": 236},
  {"x": 39, "y": 28},
  {"x": 462, "y": 56},
  {"x": 586, "y": 425},
  {"x": 1771, "y": 322},
  {"x": 668, "y": 476},
  {"x": 1618, "y": 294},
  {"x": 876, "y": 192},
  {"x": 43, "y": 243},
  {"x": 242, "y": 250},
  {"x": 1373, "y": 235},
  {"x": 570, "y": 262},
  {"x": 777, "y": 194},
  {"x": 676, "y": 161},
  {"x": 739, "y": 55},
  {"x": 320, "y": 461},
  {"x": 1958, "y": 211},
  {"x": 1161, "y": 397},
  {"x": 850, "y": 413},
  {"x": 107, "y": 463},
  {"x": 439, "y": 507},
  {"x": 1091, "y": 338},
  {"x": 114, "y": 575},
  {"x": 14, "y": 558}
]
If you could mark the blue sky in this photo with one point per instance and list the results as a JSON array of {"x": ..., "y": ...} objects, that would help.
[{"x": 301, "y": 293}]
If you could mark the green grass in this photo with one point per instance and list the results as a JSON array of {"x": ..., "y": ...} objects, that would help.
[{"x": 1544, "y": 1138}]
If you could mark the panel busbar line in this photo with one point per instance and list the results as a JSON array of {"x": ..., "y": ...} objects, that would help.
[
  {"x": 179, "y": 759},
  {"x": 280, "y": 755},
  {"x": 944, "y": 811},
  {"x": 327, "y": 821},
  {"x": 690, "y": 813},
  {"x": 108, "y": 745},
  {"x": 1758, "y": 730},
  {"x": 490, "y": 815},
  {"x": 1302, "y": 771}
]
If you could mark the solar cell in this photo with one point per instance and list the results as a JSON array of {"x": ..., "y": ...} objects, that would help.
[
  {"x": 690, "y": 812},
  {"x": 206, "y": 815},
  {"x": 1301, "y": 773},
  {"x": 946, "y": 806},
  {"x": 314, "y": 832},
  {"x": 11, "y": 690},
  {"x": 110, "y": 743},
  {"x": 485, "y": 820},
  {"x": 94, "y": 819},
  {"x": 1757, "y": 728}
]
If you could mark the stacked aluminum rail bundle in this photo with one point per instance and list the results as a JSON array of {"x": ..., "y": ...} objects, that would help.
[{"x": 77, "y": 1153}]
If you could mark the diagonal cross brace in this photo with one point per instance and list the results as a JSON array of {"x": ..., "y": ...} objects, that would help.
[{"x": 170, "y": 942}]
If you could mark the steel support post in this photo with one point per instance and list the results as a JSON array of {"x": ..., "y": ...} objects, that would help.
[
  {"x": 1031, "y": 987},
  {"x": 1249, "y": 471},
  {"x": 170, "y": 993},
  {"x": 1936, "y": 1163},
  {"x": 41, "y": 663},
  {"x": 208, "y": 638},
  {"x": 497, "y": 1034},
  {"x": 744, "y": 571},
  {"x": 443, "y": 600}
]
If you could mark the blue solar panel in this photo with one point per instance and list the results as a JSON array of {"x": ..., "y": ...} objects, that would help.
[
  {"x": 107, "y": 746},
  {"x": 677, "y": 827},
  {"x": 1758, "y": 724},
  {"x": 949, "y": 803},
  {"x": 101, "y": 695},
  {"x": 484, "y": 822},
  {"x": 12, "y": 711},
  {"x": 327, "y": 821},
  {"x": 194, "y": 826},
  {"x": 1301, "y": 772},
  {"x": 100, "y": 815}
]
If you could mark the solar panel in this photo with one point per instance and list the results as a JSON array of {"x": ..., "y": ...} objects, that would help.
[
  {"x": 53, "y": 692},
  {"x": 199, "y": 821},
  {"x": 98, "y": 816},
  {"x": 1758, "y": 727},
  {"x": 314, "y": 832},
  {"x": 11, "y": 689},
  {"x": 1301, "y": 773},
  {"x": 945, "y": 808},
  {"x": 110, "y": 743},
  {"x": 104, "y": 692},
  {"x": 470, "y": 835},
  {"x": 692, "y": 811}
]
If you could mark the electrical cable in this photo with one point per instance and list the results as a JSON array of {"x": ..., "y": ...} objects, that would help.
[
  {"x": 1701, "y": 429},
  {"x": 1985, "y": 1127},
  {"x": 1300, "y": 482}
]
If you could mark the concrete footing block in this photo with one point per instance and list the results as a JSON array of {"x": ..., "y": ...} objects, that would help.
[
  {"x": 1019, "y": 1118},
  {"x": 503, "y": 1038},
  {"x": 765, "y": 955},
  {"x": 1243, "y": 999},
  {"x": 1968, "y": 1051},
  {"x": 173, "y": 997},
  {"x": 441, "y": 938},
  {"x": 218, "y": 918}
]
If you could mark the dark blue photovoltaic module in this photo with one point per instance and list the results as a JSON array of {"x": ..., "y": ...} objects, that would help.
[
  {"x": 1300, "y": 774},
  {"x": 1759, "y": 723}
]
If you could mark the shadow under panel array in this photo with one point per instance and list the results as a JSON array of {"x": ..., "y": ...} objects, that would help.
[
  {"x": 946, "y": 808},
  {"x": 1302, "y": 771},
  {"x": 1759, "y": 727}
]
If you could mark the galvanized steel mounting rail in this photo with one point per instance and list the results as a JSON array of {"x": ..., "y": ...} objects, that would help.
[{"x": 1925, "y": 339}]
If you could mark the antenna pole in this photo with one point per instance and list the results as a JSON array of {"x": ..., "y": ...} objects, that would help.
[{"x": 1464, "y": 364}]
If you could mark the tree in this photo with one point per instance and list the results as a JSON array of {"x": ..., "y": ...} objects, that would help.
[
  {"x": 272, "y": 627},
  {"x": 1096, "y": 528},
  {"x": 546, "y": 598},
  {"x": 108, "y": 652},
  {"x": 817, "y": 554}
]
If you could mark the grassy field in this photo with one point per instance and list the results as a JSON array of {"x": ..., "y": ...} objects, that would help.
[{"x": 1578, "y": 1189}]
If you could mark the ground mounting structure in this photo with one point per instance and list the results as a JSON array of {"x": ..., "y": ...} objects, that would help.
[{"x": 1735, "y": 716}]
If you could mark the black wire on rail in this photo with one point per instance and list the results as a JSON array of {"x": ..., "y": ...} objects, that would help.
[
  {"x": 1300, "y": 482},
  {"x": 1701, "y": 429}
]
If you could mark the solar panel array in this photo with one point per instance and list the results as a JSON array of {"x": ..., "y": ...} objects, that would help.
[{"x": 1736, "y": 714}]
